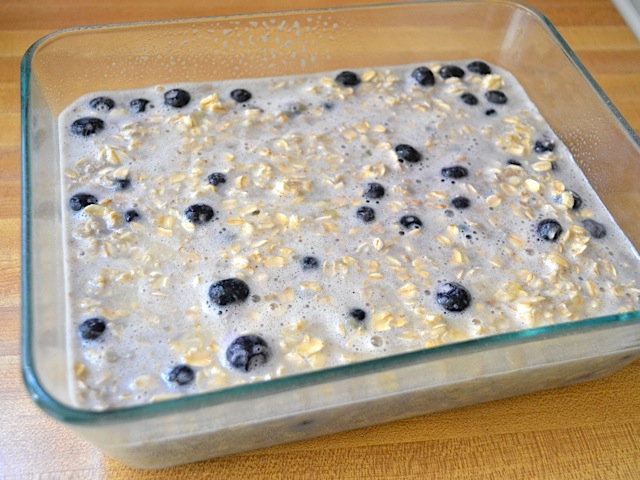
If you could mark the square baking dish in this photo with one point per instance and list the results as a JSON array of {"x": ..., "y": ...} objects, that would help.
[{"x": 70, "y": 63}]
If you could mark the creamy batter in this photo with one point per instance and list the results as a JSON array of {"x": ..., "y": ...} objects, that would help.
[{"x": 237, "y": 231}]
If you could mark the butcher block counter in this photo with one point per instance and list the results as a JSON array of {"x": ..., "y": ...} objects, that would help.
[{"x": 590, "y": 430}]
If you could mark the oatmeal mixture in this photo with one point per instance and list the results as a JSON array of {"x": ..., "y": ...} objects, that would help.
[{"x": 237, "y": 231}]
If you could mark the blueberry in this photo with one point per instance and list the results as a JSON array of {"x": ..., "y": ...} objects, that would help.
[
  {"x": 87, "y": 126},
  {"x": 577, "y": 200},
  {"x": 248, "y": 352},
  {"x": 490, "y": 112},
  {"x": 461, "y": 202},
  {"x": 199, "y": 213},
  {"x": 411, "y": 222},
  {"x": 138, "y": 105},
  {"x": 373, "y": 191},
  {"x": 496, "y": 96},
  {"x": 469, "y": 98},
  {"x": 177, "y": 98},
  {"x": 122, "y": 183},
  {"x": 181, "y": 374},
  {"x": 453, "y": 297},
  {"x": 240, "y": 95},
  {"x": 514, "y": 162},
  {"x": 366, "y": 214},
  {"x": 347, "y": 79},
  {"x": 227, "y": 291},
  {"x": 454, "y": 172},
  {"x": 310, "y": 263},
  {"x": 549, "y": 230},
  {"x": 358, "y": 314},
  {"x": 81, "y": 200},
  {"x": 406, "y": 153},
  {"x": 217, "y": 178},
  {"x": 130, "y": 215},
  {"x": 449, "y": 71},
  {"x": 479, "y": 67},
  {"x": 595, "y": 229},
  {"x": 542, "y": 146},
  {"x": 102, "y": 104},
  {"x": 92, "y": 328},
  {"x": 423, "y": 76}
]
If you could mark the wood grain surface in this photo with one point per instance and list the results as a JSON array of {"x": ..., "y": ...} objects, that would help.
[{"x": 586, "y": 431}]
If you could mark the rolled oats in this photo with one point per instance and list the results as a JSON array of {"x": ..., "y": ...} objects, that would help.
[{"x": 296, "y": 158}]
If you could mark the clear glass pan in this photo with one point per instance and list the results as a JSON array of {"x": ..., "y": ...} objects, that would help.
[{"x": 67, "y": 64}]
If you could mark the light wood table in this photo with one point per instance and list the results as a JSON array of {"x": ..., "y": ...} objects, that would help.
[{"x": 585, "y": 431}]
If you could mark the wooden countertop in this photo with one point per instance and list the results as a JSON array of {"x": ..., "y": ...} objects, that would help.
[{"x": 585, "y": 431}]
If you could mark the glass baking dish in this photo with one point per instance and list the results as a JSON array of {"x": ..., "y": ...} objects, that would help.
[{"x": 67, "y": 64}]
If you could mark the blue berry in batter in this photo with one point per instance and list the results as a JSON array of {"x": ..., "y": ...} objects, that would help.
[
  {"x": 479, "y": 67},
  {"x": 122, "y": 183},
  {"x": 92, "y": 328},
  {"x": 461, "y": 202},
  {"x": 81, "y": 200},
  {"x": 347, "y": 79},
  {"x": 549, "y": 230},
  {"x": 454, "y": 172},
  {"x": 199, "y": 213},
  {"x": 358, "y": 314},
  {"x": 138, "y": 105},
  {"x": 177, "y": 98},
  {"x": 423, "y": 76},
  {"x": 87, "y": 126},
  {"x": 102, "y": 104},
  {"x": 217, "y": 178},
  {"x": 366, "y": 214},
  {"x": 241, "y": 95},
  {"x": 496, "y": 96},
  {"x": 410, "y": 222},
  {"x": 248, "y": 352},
  {"x": 228, "y": 291},
  {"x": 406, "y": 153},
  {"x": 310, "y": 263},
  {"x": 469, "y": 98},
  {"x": 453, "y": 297},
  {"x": 449, "y": 71},
  {"x": 131, "y": 215},
  {"x": 593, "y": 228},
  {"x": 181, "y": 375},
  {"x": 542, "y": 146},
  {"x": 374, "y": 191}
]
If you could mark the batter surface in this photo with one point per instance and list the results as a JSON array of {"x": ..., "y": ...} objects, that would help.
[{"x": 237, "y": 231}]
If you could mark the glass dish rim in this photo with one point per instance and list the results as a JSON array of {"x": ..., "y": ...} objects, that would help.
[{"x": 182, "y": 404}]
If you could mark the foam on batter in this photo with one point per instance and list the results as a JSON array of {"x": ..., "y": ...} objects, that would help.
[{"x": 298, "y": 156}]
